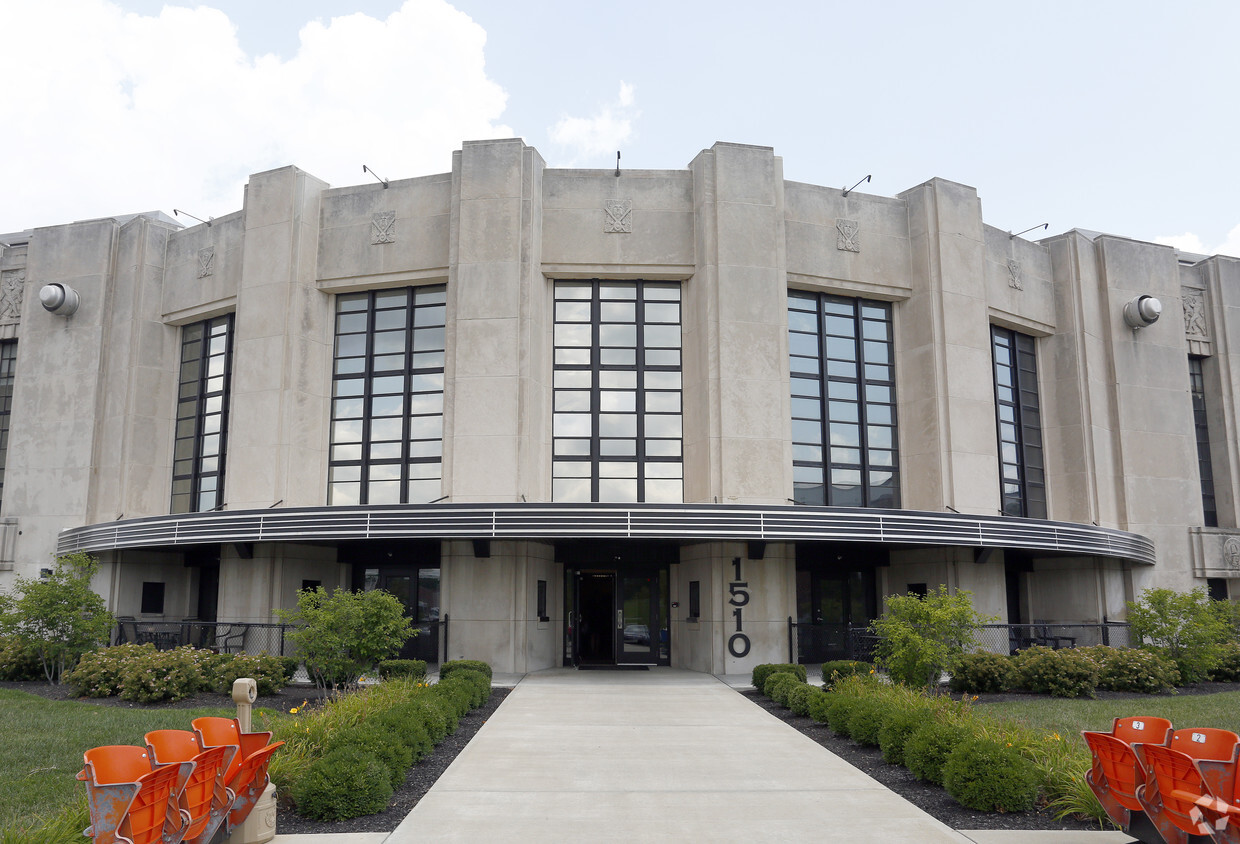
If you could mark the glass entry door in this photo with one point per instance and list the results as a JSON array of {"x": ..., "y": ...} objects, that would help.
[
  {"x": 637, "y": 620},
  {"x": 616, "y": 618}
]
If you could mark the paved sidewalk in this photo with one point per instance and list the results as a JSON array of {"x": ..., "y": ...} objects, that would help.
[{"x": 664, "y": 755}]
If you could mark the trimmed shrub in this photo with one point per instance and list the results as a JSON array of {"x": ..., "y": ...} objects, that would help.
[
  {"x": 290, "y": 666},
  {"x": 220, "y": 671},
  {"x": 761, "y": 672},
  {"x": 98, "y": 673},
  {"x": 19, "y": 660},
  {"x": 839, "y": 711},
  {"x": 388, "y": 748},
  {"x": 927, "y": 749},
  {"x": 1063, "y": 673},
  {"x": 818, "y": 706},
  {"x": 776, "y": 684},
  {"x": 163, "y": 675},
  {"x": 345, "y": 783},
  {"x": 448, "y": 668},
  {"x": 414, "y": 669},
  {"x": 477, "y": 683},
  {"x": 895, "y": 732},
  {"x": 990, "y": 776},
  {"x": 440, "y": 717},
  {"x": 984, "y": 672},
  {"x": 866, "y": 719},
  {"x": 407, "y": 721},
  {"x": 801, "y": 697},
  {"x": 1135, "y": 670},
  {"x": 457, "y": 693},
  {"x": 1227, "y": 666},
  {"x": 839, "y": 668}
]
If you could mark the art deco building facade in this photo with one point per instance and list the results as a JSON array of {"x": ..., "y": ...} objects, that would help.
[{"x": 647, "y": 416}]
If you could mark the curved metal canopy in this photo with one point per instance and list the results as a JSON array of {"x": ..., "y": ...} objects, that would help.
[{"x": 682, "y": 522}]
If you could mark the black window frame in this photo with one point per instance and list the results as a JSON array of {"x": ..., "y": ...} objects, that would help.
[
  {"x": 1201, "y": 428},
  {"x": 375, "y": 369},
  {"x": 841, "y": 353},
  {"x": 200, "y": 438},
  {"x": 8, "y": 368},
  {"x": 652, "y": 355},
  {"x": 1018, "y": 424}
]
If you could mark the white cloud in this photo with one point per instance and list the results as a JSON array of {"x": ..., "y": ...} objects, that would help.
[
  {"x": 1189, "y": 242},
  {"x": 112, "y": 113},
  {"x": 586, "y": 139}
]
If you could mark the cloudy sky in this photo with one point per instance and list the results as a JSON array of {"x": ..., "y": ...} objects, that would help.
[{"x": 1114, "y": 116}]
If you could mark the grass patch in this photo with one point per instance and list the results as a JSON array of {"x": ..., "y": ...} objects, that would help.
[
  {"x": 1068, "y": 716},
  {"x": 41, "y": 748}
]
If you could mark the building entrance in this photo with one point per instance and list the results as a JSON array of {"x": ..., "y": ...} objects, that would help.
[{"x": 616, "y": 614}]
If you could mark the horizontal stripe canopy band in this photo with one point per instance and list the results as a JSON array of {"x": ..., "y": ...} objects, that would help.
[{"x": 683, "y": 522}]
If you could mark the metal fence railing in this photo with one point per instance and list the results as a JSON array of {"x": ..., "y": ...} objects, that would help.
[
  {"x": 810, "y": 643},
  {"x": 254, "y": 637}
]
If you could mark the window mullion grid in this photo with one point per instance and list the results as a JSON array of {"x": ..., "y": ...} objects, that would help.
[
  {"x": 639, "y": 405},
  {"x": 406, "y": 393},
  {"x": 863, "y": 432},
  {"x": 596, "y": 389},
  {"x": 200, "y": 396},
  {"x": 368, "y": 389}
]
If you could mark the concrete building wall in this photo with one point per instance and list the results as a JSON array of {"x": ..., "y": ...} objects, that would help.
[{"x": 94, "y": 397}]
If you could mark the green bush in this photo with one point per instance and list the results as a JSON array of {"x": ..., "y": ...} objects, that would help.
[
  {"x": 927, "y": 749},
  {"x": 920, "y": 637},
  {"x": 289, "y": 664},
  {"x": 163, "y": 675},
  {"x": 1187, "y": 626},
  {"x": 388, "y": 748},
  {"x": 866, "y": 719},
  {"x": 989, "y": 776},
  {"x": 984, "y": 673},
  {"x": 342, "y": 635},
  {"x": 414, "y": 669},
  {"x": 777, "y": 683},
  {"x": 802, "y": 697},
  {"x": 446, "y": 669},
  {"x": 346, "y": 783},
  {"x": 222, "y": 670},
  {"x": 1227, "y": 665},
  {"x": 59, "y": 617},
  {"x": 441, "y": 718},
  {"x": 1136, "y": 670},
  {"x": 839, "y": 668},
  {"x": 818, "y": 707},
  {"x": 839, "y": 711},
  {"x": 477, "y": 683},
  {"x": 761, "y": 672},
  {"x": 408, "y": 722},
  {"x": 1062, "y": 673},
  {"x": 19, "y": 660},
  {"x": 895, "y": 732},
  {"x": 98, "y": 673}
]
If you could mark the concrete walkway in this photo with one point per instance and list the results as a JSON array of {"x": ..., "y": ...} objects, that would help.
[{"x": 663, "y": 755}]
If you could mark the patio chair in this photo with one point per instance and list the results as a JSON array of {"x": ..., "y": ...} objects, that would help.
[{"x": 1117, "y": 769}]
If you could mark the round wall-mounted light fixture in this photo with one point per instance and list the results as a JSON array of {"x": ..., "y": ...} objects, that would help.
[
  {"x": 1142, "y": 311},
  {"x": 59, "y": 299}
]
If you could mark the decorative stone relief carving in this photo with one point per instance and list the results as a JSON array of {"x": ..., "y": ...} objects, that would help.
[
  {"x": 619, "y": 216},
  {"x": 11, "y": 287},
  {"x": 1231, "y": 553},
  {"x": 1014, "y": 280},
  {"x": 383, "y": 228},
  {"x": 1195, "y": 315},
  {"x": 846, "y": 238},
  {"x": 206, "y": 262}
]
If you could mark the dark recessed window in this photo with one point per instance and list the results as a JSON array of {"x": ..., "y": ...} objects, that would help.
[
  {"x": 310, "y": 585},
  {"x": 1019, "y": 420},
  {"x": 1201, "y": 425},
  {"x": 918, "y": 589},
  {"x": 542, "y": 601},
  {"x": 8, "y": 364},
  {"x": 387, "y": 397},
  {"x": 695, "y": 599},
  {"x": 845, "y": 443},
  {"x": 202, "y": 416},
  {"x": 616, "y": 428},
  {"x": 152, "y": 598}
]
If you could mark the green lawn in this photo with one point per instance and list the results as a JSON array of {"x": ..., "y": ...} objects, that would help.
[
  {"x": 42, "y": 741},
  {"x": 1068, "y": 717}
]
